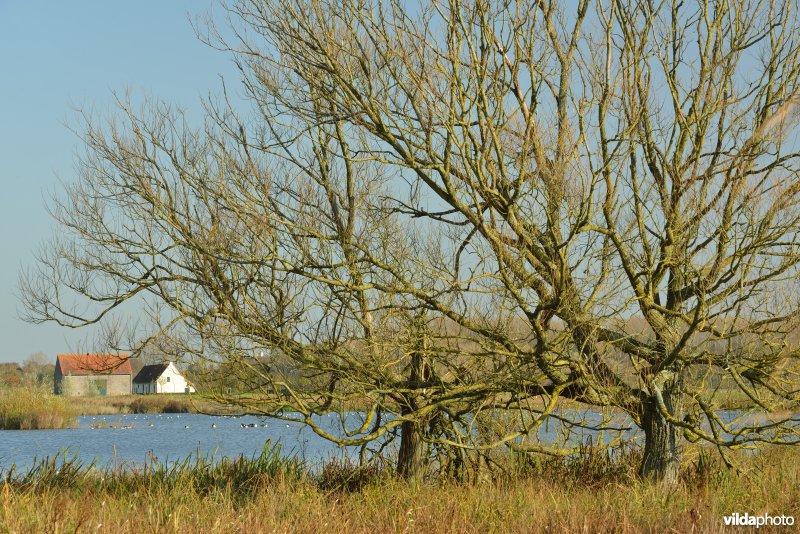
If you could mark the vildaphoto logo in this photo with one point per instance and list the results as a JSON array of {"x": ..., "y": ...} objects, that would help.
[{"x": 746, "y": 520}]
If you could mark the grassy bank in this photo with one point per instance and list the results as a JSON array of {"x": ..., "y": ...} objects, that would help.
[
  {"x": 165, "y": 403},
  {"x": 35, "y": 408},
  {"x": 196, "y": 403},
  {"x": 270, "y": 494},
  {"x": 38, "y": 408},
  {"x": 31, "y": 408}
]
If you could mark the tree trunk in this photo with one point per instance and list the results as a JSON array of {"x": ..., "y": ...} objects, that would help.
[
  {"x": 413, "y": 455},
  {"x": 663, "y": 445},
  {"x": 411, "y": 458}
]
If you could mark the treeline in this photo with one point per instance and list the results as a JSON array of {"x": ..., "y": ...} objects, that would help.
[{"x": 36, "y": 370}]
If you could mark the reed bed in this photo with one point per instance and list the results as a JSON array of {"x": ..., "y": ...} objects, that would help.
[
  {"x": 163, "y": 403},
  {"x": 270, "y": 493},
  {"x": 34, "y": 409}
]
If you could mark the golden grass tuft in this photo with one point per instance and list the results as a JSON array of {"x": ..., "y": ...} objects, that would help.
[{"x": 34, "y": 409}]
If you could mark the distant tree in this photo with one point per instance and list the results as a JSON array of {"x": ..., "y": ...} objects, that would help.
[
  {"x": 37, "y": 359},
  {"x": 37, "y": 370},
  {"x": 10, "y": 374}
]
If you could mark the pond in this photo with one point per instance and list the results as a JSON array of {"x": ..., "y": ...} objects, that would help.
[{"x": 132, "y": 439}]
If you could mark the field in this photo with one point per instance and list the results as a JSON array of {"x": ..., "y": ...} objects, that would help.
[{"x": 270, "y": 494}]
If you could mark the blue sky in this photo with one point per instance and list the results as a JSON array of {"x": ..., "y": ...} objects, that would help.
[{"x": 59, "y": 56}]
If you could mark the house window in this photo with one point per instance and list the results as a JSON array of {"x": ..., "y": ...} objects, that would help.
[{"x": 168, "y": 378}]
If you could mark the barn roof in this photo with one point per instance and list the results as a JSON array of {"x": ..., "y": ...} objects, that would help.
[
  {"x": 150, "y": 373},
  {"x": 94, "y": 364}
]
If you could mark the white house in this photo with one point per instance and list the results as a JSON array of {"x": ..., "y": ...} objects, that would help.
[{"x": 160, "y": 378}]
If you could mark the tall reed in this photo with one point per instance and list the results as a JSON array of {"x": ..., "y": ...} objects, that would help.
[
  {"x": 32, "y": 408},
  {"x": 268, "y": 493},
  {"x": 240, "y": 476}
]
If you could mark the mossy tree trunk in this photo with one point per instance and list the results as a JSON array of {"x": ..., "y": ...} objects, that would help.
[
  {"x": 412, "y": 458},
  {"x": 663, "y": 446}
]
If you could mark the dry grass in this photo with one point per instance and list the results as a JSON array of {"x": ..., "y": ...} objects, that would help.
[
  {"x": 33, "y": 409},
  {"x": 122, "y": 404},
  {"x": 543, "y": 497}
]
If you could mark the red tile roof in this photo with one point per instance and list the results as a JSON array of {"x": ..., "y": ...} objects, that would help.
[{"x": 94, "y": 364}]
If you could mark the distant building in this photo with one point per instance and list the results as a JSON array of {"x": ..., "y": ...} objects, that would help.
[
  {"x": 92, "y": 374},
  {"x": 160, "y": 378}
]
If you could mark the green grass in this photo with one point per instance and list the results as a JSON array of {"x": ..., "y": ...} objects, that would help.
[
  {"x": 31, "y": 408},
  {"x": 591, "y": 493}
]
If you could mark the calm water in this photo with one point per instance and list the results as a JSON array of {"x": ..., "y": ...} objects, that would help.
[
  {"x": 172, "y": 437},
  {"x": 168, "y": 437}
]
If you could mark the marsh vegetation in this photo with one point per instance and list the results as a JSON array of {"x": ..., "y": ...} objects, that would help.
[
  {"x": 34, "y": 408},
  {"x": 590, "y": 492}
]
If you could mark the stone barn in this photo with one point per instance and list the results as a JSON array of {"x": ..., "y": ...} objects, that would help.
[{"x": 92, "y": 374}]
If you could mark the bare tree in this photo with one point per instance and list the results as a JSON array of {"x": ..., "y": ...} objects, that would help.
[
  {"x": 36, "y": 359},
  {"x": 452, "y": 209}
]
